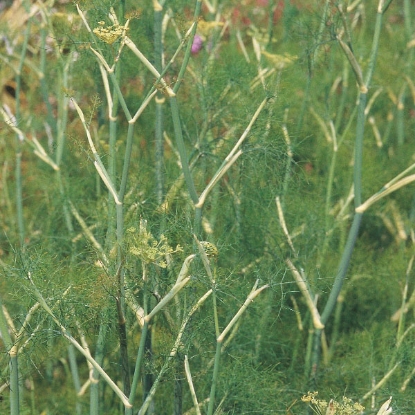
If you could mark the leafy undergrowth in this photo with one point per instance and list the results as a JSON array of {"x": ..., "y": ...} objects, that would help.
[{"x": 85, "y": 245}]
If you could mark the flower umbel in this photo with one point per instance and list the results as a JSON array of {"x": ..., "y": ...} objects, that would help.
[
  {"x": 147, "y": 248},
  {"x": 322, "y": 407},
  {"x": 109, "y": 34}
]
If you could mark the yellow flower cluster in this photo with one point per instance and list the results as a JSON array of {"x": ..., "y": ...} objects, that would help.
[
  {"x": 109, "y": 34},
  {"x": 148, "y": 249},
  {"x": 321, "y": 407}
]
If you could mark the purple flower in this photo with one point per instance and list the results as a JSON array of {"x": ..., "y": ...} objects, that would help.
[{"x": 197, "y": 44}]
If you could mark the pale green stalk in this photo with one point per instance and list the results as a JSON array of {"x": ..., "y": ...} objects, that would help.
[
  {"x": 400, "y": 110},
  {"x": 307, "y": 293},
  {"x": 357, "y": 177},
  {"x": 309, "y": 351},
  {"x": 312, "y": 58},
  {"x": 182, "y": 150},
  {"x": 159, "y": 139},
  {"x": 173, "y": 352},
  {"x": 343, "y": 98},
  {"x": 336, "y": 325},
  {"x": 122, "y": 329},
  {"x": 109, "y": 178},
  {"x": 330, "y": 182},
  {"x": 357, "y": 166},
  {"x": 401, "y": 322},
  {"x": 329, "y": 231},
  {"x": 112, "y": 102},
  {"x": 174, "y": 106},
  {"x": 231, "y": 157},
  {"x": 160, "y": 101},
  {"x": 74, "y": 373},
  {"x": 191, "y": 385},
  {"x": 381, "y": 382},
  {"x": 301, "y": 323},
  {"x": 121, "y": 11},
  {"x": 186, "y": 57},
  {"x": 80, "y": 348},
  {"x": 115, "y": 213},
  {"x": 43, "y": 84},
  {"x": 94, "y": 407},
  {"x": 289, "y": 157},
  {"x": 409, "y": 17},
  {"x": 214, "y": 379},
  {"x": 120, "y": 255},
  {"x": 119, "y": 206},
  {"x": 60, "y": 127},
  {"x": 19, "y": 149},
  {"x": 181, "y": 281},
  {"x": 137, "y": 368},
  {"x": 212, "y": 276},
  {"x": 11, "y": 350},
  {"x": 220, "y": 339}
]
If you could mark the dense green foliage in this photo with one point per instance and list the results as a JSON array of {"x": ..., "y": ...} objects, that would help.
[{"x": 88, "y": 253}]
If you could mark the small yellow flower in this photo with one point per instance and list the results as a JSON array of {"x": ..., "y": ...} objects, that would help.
[
  {"x": 321, "y": 407},
  {"x": 143, "y": 245},
  {"x": 109, "y": 34}
]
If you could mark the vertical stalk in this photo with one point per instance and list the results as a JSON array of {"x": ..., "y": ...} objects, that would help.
[
  {"x": 214, "y": 378},
  {"x": 400, "y": 110},
  {"x": 142, "y": 345},
  {"x": 220, "y": 339},
  {"x": 188, "y": 48},
  {"x": 336, "y": 325},
  {"x": 74, "y": 373},
  {"x": 19, "y": 149},
  {"x": 120, "y": 269},
  {"x": 343, "y": 98},
  {"x": 11, "y": 350},
  {"x": 19, "y": 193},
  {"x": 121, "y": 12},
  {"x": 311, "y": 62},
  {"x": 176, "y": 115},
  {"x": 138, "y": 365},
  {"x": 358, "y": 149},
  {"x": 99, "y": 357},
  {"x": 127, "y": 161},
  {"x": 357, "y": 180},
  {"x": 309, "y": 352},
  {"x": 178, "y": 385},
  {"x": 147, "y": 377},
  {"x": 112, "y": 169},
  {"x": 120, "y": 301},
  {"x": 63, "y": 103},
  {"x": 289, "y": 158},
  {"x": 160, "y": 100},
  {"x": 182, "y": 150},
  {"x": 43, "y": 84},
  {"x": 113, "y": 120}
]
